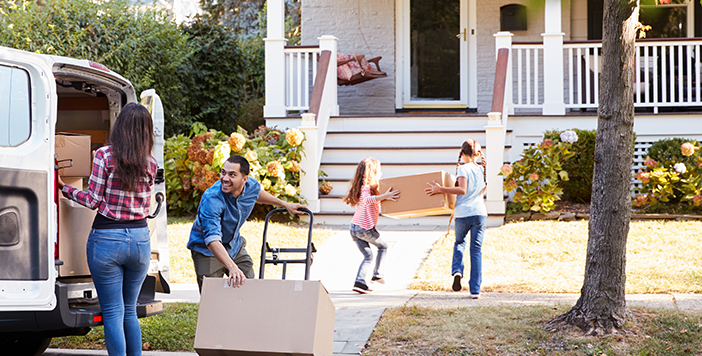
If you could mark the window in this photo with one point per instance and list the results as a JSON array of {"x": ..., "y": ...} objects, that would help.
[
  {"x": 15, "y": 118},
  {"x": 667, "y": 18}
]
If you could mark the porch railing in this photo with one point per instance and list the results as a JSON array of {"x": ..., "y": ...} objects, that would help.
[
  {"x": 667, "y": 73},
  {"x": 301, "y": 70}
]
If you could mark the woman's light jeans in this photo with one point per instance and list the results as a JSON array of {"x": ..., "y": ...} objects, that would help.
[{"x": 119, "y": 260}]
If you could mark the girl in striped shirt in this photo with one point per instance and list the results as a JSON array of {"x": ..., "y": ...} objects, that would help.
[{"x": 364, "y": 195}]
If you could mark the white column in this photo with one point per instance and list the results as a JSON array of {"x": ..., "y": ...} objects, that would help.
[
  {"x": 309, "y": 177},
  {"x": 503, "y": 39},
  {"x": 495, "y": 142},
  {"x": 328, "y": 43},
  {"x": 553, "y": 59},
  {"x": 275, "y": 60}
]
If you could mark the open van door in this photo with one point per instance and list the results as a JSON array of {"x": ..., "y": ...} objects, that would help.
[
  {"x": 159, "y": 223},
  {"x": 27, "y": 183}
]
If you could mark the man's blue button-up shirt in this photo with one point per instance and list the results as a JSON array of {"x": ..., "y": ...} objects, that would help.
[{"x": 220, "y": 216}]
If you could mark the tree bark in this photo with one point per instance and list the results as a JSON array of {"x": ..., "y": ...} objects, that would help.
[{"x": 601, "y": 308}]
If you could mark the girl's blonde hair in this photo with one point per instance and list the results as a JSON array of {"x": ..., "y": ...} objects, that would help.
[
  {"x": 366, "y": 174},
  {"x": 471, "y": 148}
]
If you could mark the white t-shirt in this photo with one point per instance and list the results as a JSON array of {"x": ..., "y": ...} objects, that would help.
[{"x": 471, "y": 203}]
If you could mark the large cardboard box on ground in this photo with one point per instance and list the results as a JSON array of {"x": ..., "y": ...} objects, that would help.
[
  {"x": 265, "y": 317},
  {"x": 414, "y": 202},
  {"x": 76, "y": 148},
  {"x": 75, "y": 222}
]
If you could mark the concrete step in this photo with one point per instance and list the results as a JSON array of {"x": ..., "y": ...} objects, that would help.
[
  {"x": 346, "y": 170},
  {"x": 400, "y": 154},
  {"x": 417, "y": 139},
  {"x": 324, "y": 218},
  {"x": 409, "y": 122}
]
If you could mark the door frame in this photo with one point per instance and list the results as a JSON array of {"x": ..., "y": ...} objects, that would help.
[{"x": 468, "y": 65}]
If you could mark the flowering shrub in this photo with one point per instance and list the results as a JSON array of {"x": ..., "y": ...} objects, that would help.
[
  {"x": 193, "y": 165},
  {"x": 536, "y": 177},
  {"x": 579, "y": 167},
  {"x": 675, "y": 178}
]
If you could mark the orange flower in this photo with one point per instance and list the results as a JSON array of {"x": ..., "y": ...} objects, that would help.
[
  {"x": 236, "y": 141},
  {"x": 275, "y": 169},
  {"x": 294, "y": 137},
  {"x": 294, "y": 166},
  {"x": 534, "y": 177}
]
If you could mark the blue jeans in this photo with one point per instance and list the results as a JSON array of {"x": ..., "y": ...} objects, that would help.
[
  {"x": 119, "y": 260},
  {"x": 476, "y": 225},
  {"x": 363, "y": 239}
]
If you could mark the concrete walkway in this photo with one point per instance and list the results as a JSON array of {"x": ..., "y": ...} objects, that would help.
[{"x": 336, "y": 264}]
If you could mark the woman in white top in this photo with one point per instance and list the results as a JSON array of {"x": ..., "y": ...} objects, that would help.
[{"x": 470, "y": 213}]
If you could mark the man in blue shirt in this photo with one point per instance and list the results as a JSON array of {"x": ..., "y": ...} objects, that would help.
[{"x": 217, "y": 247}]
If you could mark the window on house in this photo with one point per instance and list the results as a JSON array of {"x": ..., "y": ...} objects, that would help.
[
  {"x": 15, "y": 118},
  {"x": 667, "y": 18}
]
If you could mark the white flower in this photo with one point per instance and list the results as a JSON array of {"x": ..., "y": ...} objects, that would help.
[
  {"x": 680, "y": 168},
  {"x": 569, "y": 136}
]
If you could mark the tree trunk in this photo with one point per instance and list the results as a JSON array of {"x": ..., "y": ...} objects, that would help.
[{"x": 601, "y": 308}]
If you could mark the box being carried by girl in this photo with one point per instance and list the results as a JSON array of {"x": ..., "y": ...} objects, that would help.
[{"x": 414, "y": 202}]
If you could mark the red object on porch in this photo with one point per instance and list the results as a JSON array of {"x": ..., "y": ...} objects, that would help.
[{"x": 355, "y": 69}]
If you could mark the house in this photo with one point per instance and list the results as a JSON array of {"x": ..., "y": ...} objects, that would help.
[{"x": 440, "y": 57}]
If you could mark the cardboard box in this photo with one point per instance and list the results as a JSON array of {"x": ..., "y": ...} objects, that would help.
[
  {"x": 264, "y": 317},
  {"x": 414, "y": 202},
  {"x": 75, "y": 182},
  {"x": 75, "y": 222},
  {"x": 76, "y": 148}
]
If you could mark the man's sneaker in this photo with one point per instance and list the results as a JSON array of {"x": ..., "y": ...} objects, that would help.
[
  {"x": 474, "y": 296},
  {"x": 378, "y": 280},
  {"x": 457, "y": 281},
  {"x": 361, "y": 288}
]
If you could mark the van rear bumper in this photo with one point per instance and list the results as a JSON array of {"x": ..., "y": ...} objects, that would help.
[{"x": 70, "y": 317}]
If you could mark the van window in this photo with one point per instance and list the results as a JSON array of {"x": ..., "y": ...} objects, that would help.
[{"x": 15, "y": 118}]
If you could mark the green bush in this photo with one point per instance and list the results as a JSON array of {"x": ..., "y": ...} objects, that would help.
[
  {"x": 578, "y": 188},
  {"x": 193, "y": 165},
  {"x": 672, "y": 177},
  {"x": 536, "y": 178},
  {"x": 144, "y": 45}
]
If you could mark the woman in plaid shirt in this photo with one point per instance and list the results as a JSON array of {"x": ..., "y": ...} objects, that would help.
[{"x": 119, "y": 247}]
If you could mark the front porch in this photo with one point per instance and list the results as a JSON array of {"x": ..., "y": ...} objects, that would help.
[{"x": 538, "y": 86}]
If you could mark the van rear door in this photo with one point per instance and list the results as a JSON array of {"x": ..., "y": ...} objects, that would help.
[{"x": 27, "y": 202}]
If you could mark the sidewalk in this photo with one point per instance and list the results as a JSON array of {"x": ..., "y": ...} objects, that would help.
[{"x": 336, "y": 264}]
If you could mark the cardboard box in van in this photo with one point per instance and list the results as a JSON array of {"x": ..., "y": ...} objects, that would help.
[
  {"x": 75, "y": 222},
  {"x": 413, "y": 201},
  {"x": 76, "y": 148},
  {"x": 265, "y": 317}
]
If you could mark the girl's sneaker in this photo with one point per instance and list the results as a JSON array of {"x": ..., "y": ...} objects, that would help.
[
  {"x": 361, "y": 288},
  {"x": 378, "y": 280},
  {"x": 457, "y": 282}
]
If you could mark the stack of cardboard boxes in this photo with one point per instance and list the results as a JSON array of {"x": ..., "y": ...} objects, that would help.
[{"x": 74, "y": 154}]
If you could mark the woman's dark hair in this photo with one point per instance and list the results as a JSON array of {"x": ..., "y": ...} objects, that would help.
[
  {"x": 132, "y": 139},
  {"x": 243, "y": 163},
  {"x": 471, "y": 148}
]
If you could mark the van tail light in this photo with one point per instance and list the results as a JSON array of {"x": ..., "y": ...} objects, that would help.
[{"x": 56, "y": 202}]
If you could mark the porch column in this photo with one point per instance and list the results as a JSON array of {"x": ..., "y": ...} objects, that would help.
[
  {"x": 328, "y": 43},
  {"x": 503, "y": 39},
  {"x": 275, "y": 60},
  {"x": 553, "y": 59},
  {"x": 495, "y": 142},
  {"x": 310, "y": 162}
]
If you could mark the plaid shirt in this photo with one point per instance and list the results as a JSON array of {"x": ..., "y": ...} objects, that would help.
[{"x": 105, "y": 191}]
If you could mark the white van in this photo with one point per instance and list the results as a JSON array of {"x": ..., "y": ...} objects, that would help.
[{"x": 45, "y": 285}]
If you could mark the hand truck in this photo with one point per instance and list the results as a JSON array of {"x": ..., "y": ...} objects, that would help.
[{"x": 275, "y": 253}]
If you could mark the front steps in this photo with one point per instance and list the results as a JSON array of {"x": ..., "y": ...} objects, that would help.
[{"x": 404, "y": 145}]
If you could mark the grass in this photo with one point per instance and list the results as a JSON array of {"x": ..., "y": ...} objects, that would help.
[
  {"x": 507, "y": 330},
  {"x": 172, "y": 330},
  {"x": 549, "y": 257}
]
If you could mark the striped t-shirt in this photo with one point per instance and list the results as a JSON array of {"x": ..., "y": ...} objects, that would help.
[{"x": 367, "y": 210}]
